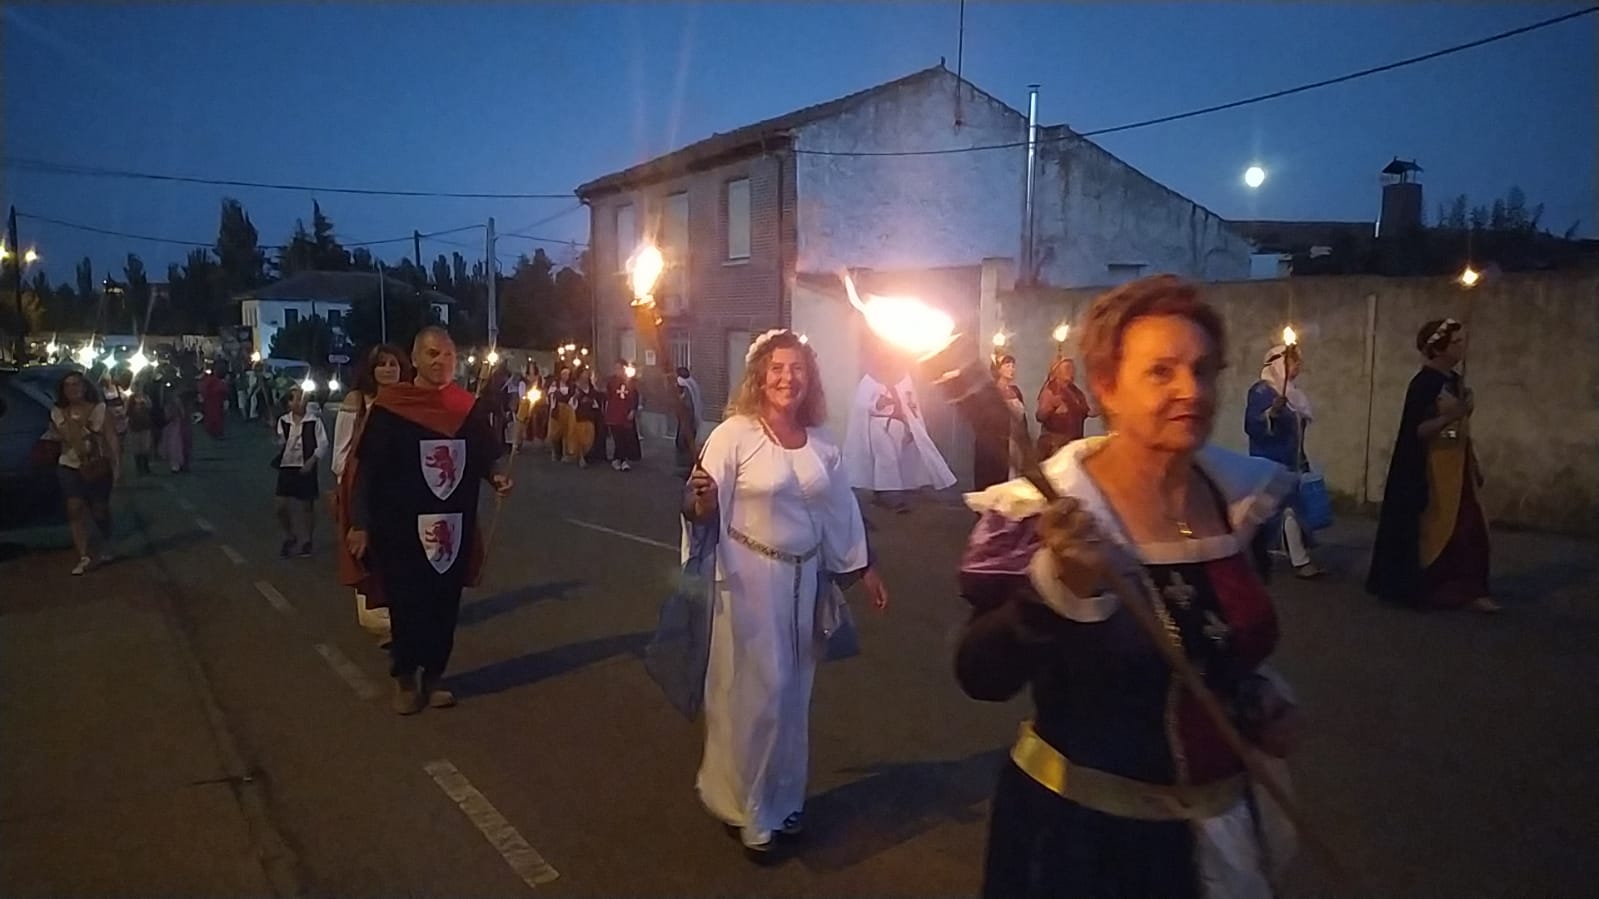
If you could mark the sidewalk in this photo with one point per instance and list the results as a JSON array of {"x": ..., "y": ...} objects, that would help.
[{"x": 118, "y": 777}]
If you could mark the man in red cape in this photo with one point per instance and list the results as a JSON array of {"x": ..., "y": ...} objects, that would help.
[{"x": 411, "y": 484}]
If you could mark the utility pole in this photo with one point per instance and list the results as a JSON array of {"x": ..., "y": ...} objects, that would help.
[
  {"x": 14, "y": 254},
  {"x": 494, "y": 299},
  {"x": 383, "y": 306}
]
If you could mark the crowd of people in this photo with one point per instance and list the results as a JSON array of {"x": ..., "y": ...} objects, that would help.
[{"x": 1119, "y": 783}]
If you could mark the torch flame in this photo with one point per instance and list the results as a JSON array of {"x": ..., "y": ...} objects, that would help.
[
  {"x": 87, "y": 355},
  {"x": 1470, "y": 277},
  {"x": 999, "y": 340},
  {"x": 534, "y": 395},
  {"x": 905, "y": 322},
  {"x": 629, "y": 370},
  {"x": 493, "y": 357},
  {"x": 1289, "y": 337},
  {"x": 138, "y": 361},
  {"x": 1060, "y": 333},
  {"x": 642, "y": 269}
]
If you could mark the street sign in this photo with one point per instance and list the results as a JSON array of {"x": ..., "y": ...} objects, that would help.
[{"x": 338, "y": 359}]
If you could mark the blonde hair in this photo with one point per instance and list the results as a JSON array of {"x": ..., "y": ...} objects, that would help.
[{"x": 749, "y": 398}]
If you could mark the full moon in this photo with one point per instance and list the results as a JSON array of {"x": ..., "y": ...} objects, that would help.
[{"x": 1254, "y": 176}]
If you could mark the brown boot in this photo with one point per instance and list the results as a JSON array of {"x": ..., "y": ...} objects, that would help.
[
  {"x": 436, "y": 698},
  {"x": 407, "y": 701}
]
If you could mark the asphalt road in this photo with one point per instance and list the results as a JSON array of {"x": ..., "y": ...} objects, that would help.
[{"x": 202, "y": 717}]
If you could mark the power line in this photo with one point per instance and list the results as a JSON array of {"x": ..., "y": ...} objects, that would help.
[
  {"x": 555, "y": 240},
  {"x": 1274, "y": 95},
  {"x": 45, "y": 167},
  {"x": 76, "y": 226},
  {"x": 522, "y": 231},
  {"x": 109, "y": 233}
]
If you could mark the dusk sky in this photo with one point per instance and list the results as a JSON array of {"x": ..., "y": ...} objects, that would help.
[{"x": 540, "y": 97}]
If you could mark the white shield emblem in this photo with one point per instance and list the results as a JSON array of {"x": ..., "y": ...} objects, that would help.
[
  {"x": 441, "y": 539},
  {"x": 443, "y": 465}
]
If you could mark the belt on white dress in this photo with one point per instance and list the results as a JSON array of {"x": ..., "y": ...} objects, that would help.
[{"x": 771, "y": 552}]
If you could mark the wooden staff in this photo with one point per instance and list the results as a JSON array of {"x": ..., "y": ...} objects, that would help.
[{"x": 976, "y": 397}]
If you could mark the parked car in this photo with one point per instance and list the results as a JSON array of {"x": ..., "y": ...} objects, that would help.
[{"x": 29, "y": 491}]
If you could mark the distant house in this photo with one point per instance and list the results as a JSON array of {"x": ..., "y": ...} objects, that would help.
[
  {"x": 1276, "y": 245},
  {"x": 740, "y": 214},
  {"x": 327, "y": 294}
]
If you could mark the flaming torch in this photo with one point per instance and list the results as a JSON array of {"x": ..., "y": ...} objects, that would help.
[
  {"x": 1061, "y": 332},
  {"x": 643, "y": 270},
  {"x": 1289, "y": 337},
  {"x": 951, "y": 362}
]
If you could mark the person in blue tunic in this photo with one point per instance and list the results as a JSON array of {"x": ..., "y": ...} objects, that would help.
[{"x": 1276, "y": 418}]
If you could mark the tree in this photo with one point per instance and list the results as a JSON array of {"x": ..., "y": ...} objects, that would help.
[
  {"x": 309, "y": 340},
  {"x": 328, "y": 255},
  {"x": 1507, "y": 215},
  {"x": 242, "y": 261},
  {"x": 527, "y": 303},
  {"x": 406, "y": 311},
  {"x": 299, "y": 254},
  {"x": 33, "y": 311},
  {"x": 195, "y": 296},
  {"x": 361, "y": 260},
  {"x": 85, "y": 280},
  {"x": 136, "y": 300},
  {"x": 442, "y": 282},
  {"x": 573, "y": 301}
]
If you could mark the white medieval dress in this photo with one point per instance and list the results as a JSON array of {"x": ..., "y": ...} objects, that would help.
[
  {"x": 775, "y": 505},
  {"x": 888, "y": 447}
]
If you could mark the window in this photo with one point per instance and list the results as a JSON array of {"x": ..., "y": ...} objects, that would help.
[
  {"x": 291, "y": 317},
  {"x": 627, "y": 345},
  {"x": 738, "y": 343},
  {"x": 674, "y": 240},
  {"x": 626, "y": 234},
  {"x": 738, "y": 219},
  {"x": 679, "y": 342},
  {"x": 1121, "y": 273}
]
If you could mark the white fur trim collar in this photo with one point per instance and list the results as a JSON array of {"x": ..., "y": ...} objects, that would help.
[{"x": 1252, "y": 488}]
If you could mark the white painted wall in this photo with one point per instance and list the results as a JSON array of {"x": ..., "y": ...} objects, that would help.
[
  {"x": 833, "y": 328},
  {"x": 1096, "y": 212},
  {"x": 267, "y": 316},
  {"x": 1092, "y": 210},
  {"x": 910, "y": 212}
]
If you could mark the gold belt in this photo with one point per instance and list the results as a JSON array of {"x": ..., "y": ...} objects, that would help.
[{"x": 1117, "y": 795}]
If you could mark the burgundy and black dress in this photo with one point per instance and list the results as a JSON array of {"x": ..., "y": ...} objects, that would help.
[{"x": 1156, "y": 803}]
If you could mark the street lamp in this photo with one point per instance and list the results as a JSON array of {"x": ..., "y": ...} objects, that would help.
[{"x": 1254, "y": 176}]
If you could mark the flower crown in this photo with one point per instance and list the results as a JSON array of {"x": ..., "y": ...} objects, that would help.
[
  {"x": 1444, "y": 328},
  {"x": 761, "y": 341}
]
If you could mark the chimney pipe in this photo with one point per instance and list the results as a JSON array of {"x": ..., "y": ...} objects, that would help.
[{"x": 1027, "y": 205}]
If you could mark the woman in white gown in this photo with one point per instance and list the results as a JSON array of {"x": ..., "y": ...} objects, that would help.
[{"x": 772, "y": 479}]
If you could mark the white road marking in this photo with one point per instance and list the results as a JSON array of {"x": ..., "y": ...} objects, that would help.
[
  {"x": 276, "y": 599},
  {"x": 623, "y": 534},
  {"x": 231, "y": 553},
  {"x": 523, "y": 859},
  {"x": 204, "y": 525},
  {"x": 346, "y": 669},
  {"x": 184, "y": 504}
]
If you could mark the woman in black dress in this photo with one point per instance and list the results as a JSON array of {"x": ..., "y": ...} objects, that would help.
[
  {"x": 1119, "y": 785},
  {"x": 991, "y": 459}
]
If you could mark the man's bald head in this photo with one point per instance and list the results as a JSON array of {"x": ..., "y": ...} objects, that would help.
[
  {"x": 433, "y": 354},
  {"x": 431, "y": 332}
]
